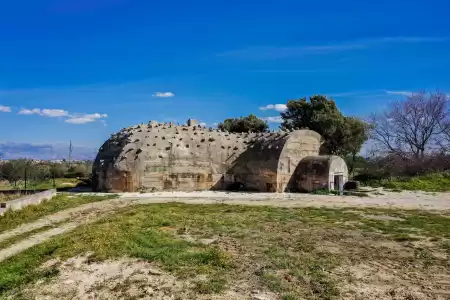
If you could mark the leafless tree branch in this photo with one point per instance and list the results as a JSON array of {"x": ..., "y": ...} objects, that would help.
[{"x": 414, "y": 127}]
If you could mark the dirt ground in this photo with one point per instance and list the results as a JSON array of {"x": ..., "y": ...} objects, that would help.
[
  {"x": 128, "y": 278},
  {"x": 378, "y": 199},
  {"x": 91, "y": 212},
  {"x": 124, "y": 279}
]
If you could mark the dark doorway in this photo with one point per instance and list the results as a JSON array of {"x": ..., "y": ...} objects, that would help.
[
  {"x": 128, "y": 182},
  {"x": 338, "y": 182}
]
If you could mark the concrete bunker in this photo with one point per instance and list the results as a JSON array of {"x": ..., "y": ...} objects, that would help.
[
  {"x": 157, "y": 157},
  {"x": 319, "y": 172}
]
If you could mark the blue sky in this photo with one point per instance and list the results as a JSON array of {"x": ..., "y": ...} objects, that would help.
[{"x": 82, "y": 69}]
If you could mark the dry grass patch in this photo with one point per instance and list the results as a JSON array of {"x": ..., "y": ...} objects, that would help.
[{"x": 240, "y": 252}]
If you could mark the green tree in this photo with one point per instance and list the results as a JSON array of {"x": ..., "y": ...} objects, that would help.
[
  {"x": 82, "y": 170},
  {"x": 342, "y": 135},
  {"x": 244, "y": 124},
  {"x": 355, "y": 163},
  {"x": 14, "y": 170},
  {"x": 58, "y": 170}
]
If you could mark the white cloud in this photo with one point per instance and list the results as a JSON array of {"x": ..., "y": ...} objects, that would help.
[
  {"x": 401, "y": 93},
  {"x": 80, "y": 120},
  {"x": 276, "y": 119},
  {"x": 409, "y": 93},
  {"x": 5, "y": 109},
  {"x": 164, "y": 94},
  {"x": 86, "y": 118},
  {"x": 203, "y": 124},
  {"x": 73, "y": 118},
  {"x": 24, "y": 111},
  {"x": 280, "y": 52},
  {"x": 277, "y": 107},
  {"x": 54, "y": 113},
  {"x": 51, "y": 113}
]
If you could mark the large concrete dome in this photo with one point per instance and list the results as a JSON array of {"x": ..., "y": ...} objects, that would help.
[{"x": 155, "y": 157}]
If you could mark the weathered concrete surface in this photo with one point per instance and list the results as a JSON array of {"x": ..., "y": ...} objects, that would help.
[
  {"x": 20, "y": 203},
  {"x": 319, "y": 172},
  {"x": 160, "y": 157}
]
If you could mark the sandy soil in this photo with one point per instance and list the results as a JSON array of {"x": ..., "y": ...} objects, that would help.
[
  {"x": 375, "y": 281},
  {"x": 124, "y": 279}
]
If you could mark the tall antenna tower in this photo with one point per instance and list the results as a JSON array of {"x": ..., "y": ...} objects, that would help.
[{"x": 70, "y": 153}]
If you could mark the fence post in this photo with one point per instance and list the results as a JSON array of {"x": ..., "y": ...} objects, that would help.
[{"x": 26, "y": 180}]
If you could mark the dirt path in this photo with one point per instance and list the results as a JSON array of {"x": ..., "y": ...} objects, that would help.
[
  {"x": 93, "y": 211},
  {"x": 380, "y": 199},
  {"x": 76, "y": 216}
]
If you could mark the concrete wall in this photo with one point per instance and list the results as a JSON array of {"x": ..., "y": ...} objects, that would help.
[
  {"x": 18, "y": 204},
  {"x": 338, "y": 166},
  {"x": 301, "y": 143},
  {"x": 317, "y": 172},
  {"x": 167, "y": 157}
]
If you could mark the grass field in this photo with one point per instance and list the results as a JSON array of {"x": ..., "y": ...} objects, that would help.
[
  {"x": 305, "y": 253},
  {"x": 12, "y": 219},
  {"x": 439, "y": 182},
  {"x": 47, "y": 184},
  {"x": 428, "y": 183}
]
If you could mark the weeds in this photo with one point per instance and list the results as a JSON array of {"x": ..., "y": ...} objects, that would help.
[
  {"x": 438, "y": 182},
  {"x": 9, "y": 197},
  {"x": 403, "y": 237},
  {"x": 213, "y": 285}
]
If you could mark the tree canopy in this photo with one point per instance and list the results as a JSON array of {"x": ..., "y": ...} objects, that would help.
[
  {"x": 342, "y": 135},
  {"x": 251, "y": 123}
]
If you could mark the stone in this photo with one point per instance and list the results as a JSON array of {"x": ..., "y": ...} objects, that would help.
[
  {"x": 192, "y": 122},
  {"x": 262, "y": 297}
]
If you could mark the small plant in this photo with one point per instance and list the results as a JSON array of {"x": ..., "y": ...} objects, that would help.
[
  {"x": 212, "y": 285},
  {"x": 403, "y": 237},
  {"x": 289, "y": 297},
  {"x": 321, "y": 192}
]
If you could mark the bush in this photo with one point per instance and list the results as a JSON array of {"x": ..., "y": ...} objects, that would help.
[{"x": 437, "y": 182}]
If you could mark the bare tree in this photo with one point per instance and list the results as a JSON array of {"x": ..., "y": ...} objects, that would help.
[
  {"x": 413, "y": 127},
  {"x": 444, "y": 140}
]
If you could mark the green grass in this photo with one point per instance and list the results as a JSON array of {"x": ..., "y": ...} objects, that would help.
[
  {"x": 42, "y": 185},
  {"x": 278, "y": 249},
  {"x": 12, "y": 219},
  {"x": 213, "y": 285},
  {"x": 439, "y": 182},
  {"x": 345, "y": 193},
  {"x": 9, "y": 197},
  {"x": 59, "y": 183},
  {"x": 4, "y": 185}
]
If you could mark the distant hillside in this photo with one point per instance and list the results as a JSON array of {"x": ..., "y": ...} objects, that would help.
[{"x": 46, "y": 151}]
